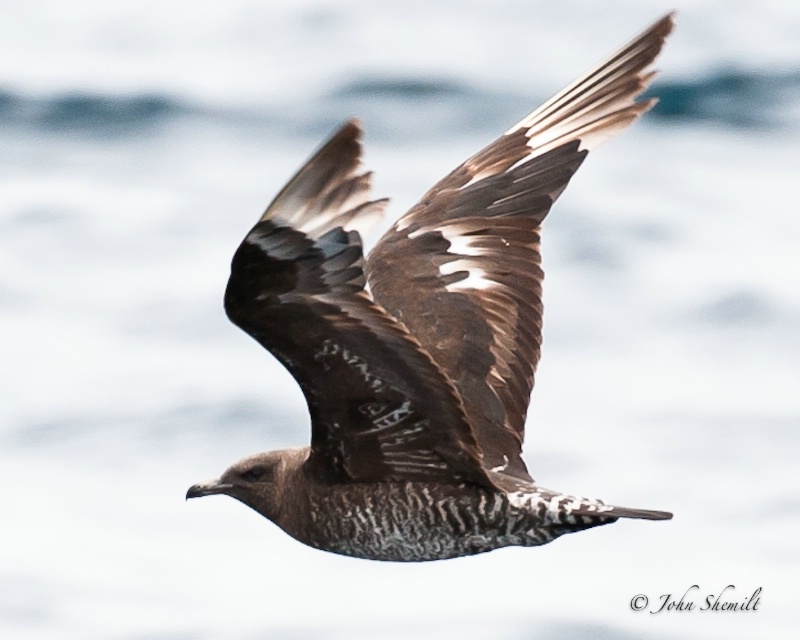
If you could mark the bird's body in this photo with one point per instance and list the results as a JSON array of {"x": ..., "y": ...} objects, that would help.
[
  {"x": 417, "y": 363},
  {"x": 415, "y": 520}
]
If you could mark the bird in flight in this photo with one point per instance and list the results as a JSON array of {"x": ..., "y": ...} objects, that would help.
[{"x": 417, "y": 362}]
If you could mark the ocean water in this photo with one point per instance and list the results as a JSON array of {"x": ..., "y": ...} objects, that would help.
[{"x": 139, "y": 141}]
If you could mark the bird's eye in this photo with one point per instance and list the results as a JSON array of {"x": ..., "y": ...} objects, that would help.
[{"x": 254, "y": 474}]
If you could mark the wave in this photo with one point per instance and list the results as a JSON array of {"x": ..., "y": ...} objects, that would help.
[
  {"x": 87, "y": 111},
  {"x": 731, "y": 98},
  {"x": 741, "y": 99}
]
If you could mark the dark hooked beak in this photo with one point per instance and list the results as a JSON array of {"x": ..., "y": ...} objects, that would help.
[{"x": 210, "y": 488}]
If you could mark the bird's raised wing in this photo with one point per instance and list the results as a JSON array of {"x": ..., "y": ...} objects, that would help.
[
  {"x": 462, "y": 268},
  {"x": 380, "y": 408}
]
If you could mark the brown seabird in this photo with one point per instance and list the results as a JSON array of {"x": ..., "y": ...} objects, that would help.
[{"x": 417, "y": 363}]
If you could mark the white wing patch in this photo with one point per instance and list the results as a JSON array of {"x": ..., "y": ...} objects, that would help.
[
  {"x": 464, "y": 247},
  {"x": 477, "y": 278},
  {"x": 461, "y": 245}
]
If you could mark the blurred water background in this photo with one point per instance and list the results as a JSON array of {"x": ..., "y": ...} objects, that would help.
[{"x": 139, "y": 141}]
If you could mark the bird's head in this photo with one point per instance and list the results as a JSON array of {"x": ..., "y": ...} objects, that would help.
[{"x": 259, "y": 481}]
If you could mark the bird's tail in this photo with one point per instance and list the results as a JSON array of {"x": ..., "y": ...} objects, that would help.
[{"x": 609, "y": 511}]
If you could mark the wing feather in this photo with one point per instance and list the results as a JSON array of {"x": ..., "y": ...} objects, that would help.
[
  {"x": 470, "y": 247},
  {"x": 380, "y": 407}
]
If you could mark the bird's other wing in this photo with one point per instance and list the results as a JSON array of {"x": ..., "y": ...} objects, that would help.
[
  {"x": 380, "y": 407},
  {"x": 462, "y": 268}
]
